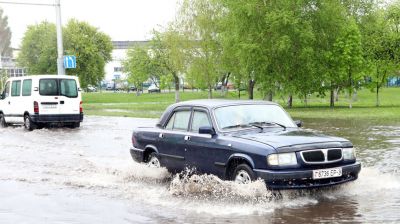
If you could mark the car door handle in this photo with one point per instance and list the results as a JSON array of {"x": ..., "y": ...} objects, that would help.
[
  {"x": 9, "y": 102},
  {"x": 161, "y": 135},
  {"x": 187, "y": 138}
]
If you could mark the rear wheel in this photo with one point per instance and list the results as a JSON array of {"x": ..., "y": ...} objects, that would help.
[
  {"x": 243, "y": 174},
  {"x": 153, "y": 160},
  {"x": 3, "y": 123},
  {"x": 74, "y": 125},
  {"x": 28, "y": 123}
]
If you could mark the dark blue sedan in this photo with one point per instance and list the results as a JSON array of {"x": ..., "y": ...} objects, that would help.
[{"x": 242, "y": 141}]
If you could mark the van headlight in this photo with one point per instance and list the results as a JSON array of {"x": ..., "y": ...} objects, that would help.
[
  {"x": 349, "y": 153},
  {"x": 282, "y": 159}
]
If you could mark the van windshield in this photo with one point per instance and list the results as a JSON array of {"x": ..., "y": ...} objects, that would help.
[{"x": 58, "y": 87}]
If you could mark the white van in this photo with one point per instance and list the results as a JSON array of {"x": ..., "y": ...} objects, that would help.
[{"x": 38, "y": 100}]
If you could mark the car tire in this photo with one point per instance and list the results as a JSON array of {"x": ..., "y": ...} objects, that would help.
[
  {"x": 153, "y": 160},
  {"x": 3, "y": 123},
  {"x": 28, "y": 123},
  {"x": 243, "y": 174}
]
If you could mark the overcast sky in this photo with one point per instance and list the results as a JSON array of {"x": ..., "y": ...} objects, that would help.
[{"x": 120, "y": 19}]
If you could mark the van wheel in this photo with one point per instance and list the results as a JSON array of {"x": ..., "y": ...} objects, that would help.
[
  {"x": 243, "y": 174},
  {"x": 74, "y": 125},
  {"x": 3, "y": 123},
  {"x": 28, "y": 124}
]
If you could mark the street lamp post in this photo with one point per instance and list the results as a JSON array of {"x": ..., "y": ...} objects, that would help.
[{"x": 60, "y": 50}]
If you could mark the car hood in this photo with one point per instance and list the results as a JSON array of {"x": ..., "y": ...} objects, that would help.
[{"x": 295, "y": 140}]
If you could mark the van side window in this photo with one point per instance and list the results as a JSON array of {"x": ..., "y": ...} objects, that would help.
[
  {"x": 16, "y": 88},
  {"x": 27, "y": 87},
  {"x": 6, "y": 90}
]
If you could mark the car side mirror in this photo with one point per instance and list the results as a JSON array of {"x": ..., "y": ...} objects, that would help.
[
  {"x": 299, "y": 123},
  {"x": 207, "y": 130}
]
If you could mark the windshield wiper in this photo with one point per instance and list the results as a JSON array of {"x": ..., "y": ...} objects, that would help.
[
  {"x": 237, "y": 126},
  {"x": 261, "y": 123}
]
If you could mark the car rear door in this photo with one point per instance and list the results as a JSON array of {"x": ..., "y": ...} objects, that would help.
[
  {"x": 16, "y": 107},
  {"x": 171, "y": 144},
  {"x": 70, "y": 98}
]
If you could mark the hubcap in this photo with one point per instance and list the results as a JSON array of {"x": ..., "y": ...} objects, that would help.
[
  {"x": 27, "y": 123},
  {"x": 242, "y": 177},
  {"x": 154, "y": 162}
]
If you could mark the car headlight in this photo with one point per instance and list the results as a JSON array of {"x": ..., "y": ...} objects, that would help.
[
  {"x": 282, "y": 159},
  {"x": 349, "y": 153}
]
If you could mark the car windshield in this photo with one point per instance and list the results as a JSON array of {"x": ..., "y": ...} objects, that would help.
[{"x": 252, "y": 115}]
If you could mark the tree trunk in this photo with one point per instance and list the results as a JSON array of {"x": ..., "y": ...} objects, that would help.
[
  {"x": 209, "y": 92},
  {"x": 176, "y": 80},
  {"x": 268, "y": 96},
  {"x": 290, "y": 101},
  {"x": 332, "y": 100},
  {"x": 377, "y": 94},
  {"x": 305, "y": 100},
  {"x": 251, "y": 89}
]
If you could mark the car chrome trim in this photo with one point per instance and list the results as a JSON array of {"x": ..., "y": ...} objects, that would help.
[
  {"x": 219, "y": 164},
  {"x": 172, "y": 156},
  {"x": 325, "y": 152}
]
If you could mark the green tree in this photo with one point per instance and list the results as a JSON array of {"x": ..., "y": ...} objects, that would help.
[
  {"x": 5, "y": 35},
  {"x": 39, "y": 49},
  {"x": 138, "y": 66},
  {"x": 91, "y": 47},
  {"x": 167, "y": 51},
  {"x": 200, "y": 20}
]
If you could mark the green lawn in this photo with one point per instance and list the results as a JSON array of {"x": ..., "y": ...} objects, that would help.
[{"x": 152, "y": 105}]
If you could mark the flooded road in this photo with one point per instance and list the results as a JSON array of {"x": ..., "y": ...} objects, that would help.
[{"x": 87, "y": 175}]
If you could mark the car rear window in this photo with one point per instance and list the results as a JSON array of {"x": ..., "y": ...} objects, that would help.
[
  {"x": 16, "y": 88},
  {"x": 27, "y": 87},
  {"x": 58, "y": 87}
]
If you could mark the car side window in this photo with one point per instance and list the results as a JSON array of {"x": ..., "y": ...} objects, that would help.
[
  {"x": 170, "y": 124},
  {"x": 16, "y": 88},
  {"x": 6, "y": 90},
  {"x": 179, "y": 121},
  {"x": 26, "y": 87},
  {"x": 200, "y": 119}
]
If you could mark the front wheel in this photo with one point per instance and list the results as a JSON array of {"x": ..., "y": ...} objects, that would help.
[
  {"x": 243, "y": 174},
  {"x": 28, "y": 123},
  {"x": 3, "y": 123},
  {"x": 153, "y": 161}
]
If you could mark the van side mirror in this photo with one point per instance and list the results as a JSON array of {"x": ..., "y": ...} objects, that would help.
[
  {"x": 299, "y": 123},
  {"x": 207, "y": 130}
]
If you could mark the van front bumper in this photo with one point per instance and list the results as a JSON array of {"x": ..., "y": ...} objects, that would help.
[
  {"x": 302, "y": 179},
  {"x": 59, "y": 118}
]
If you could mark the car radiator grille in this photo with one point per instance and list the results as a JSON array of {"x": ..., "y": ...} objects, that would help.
[{"x": 321, "y": 156}]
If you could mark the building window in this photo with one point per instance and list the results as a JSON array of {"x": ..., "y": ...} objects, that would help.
[{"x": 118, "y": 69}]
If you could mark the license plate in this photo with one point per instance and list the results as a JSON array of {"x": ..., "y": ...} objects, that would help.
[
  {"x": 327, "y": 173},
  {"x": 50, "y": 106}
]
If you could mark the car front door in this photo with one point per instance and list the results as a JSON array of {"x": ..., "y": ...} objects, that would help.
[
  {"x": 171, "y": 144},
  {"x": 203, "y": 151},
  {"x": 5, "y": 102}
]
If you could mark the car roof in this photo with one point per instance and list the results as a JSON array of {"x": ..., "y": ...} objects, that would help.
[
  {"x": 213, "y": 103},
  {"x": 209, "y": 104}
]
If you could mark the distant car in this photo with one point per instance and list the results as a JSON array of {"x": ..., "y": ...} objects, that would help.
[
  {"x": 39, "y": 100},
  {"x": 91, "y": 88},
  {"x": 153, "y": 89},
  {"x": 242, "y": 141}
]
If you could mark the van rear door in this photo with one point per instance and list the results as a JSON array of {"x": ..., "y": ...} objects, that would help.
[
  {"x": 69, "y": 96},
  {"x": 49, "y": 96}
]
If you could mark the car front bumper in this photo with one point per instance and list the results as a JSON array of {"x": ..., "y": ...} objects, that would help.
[
  {"x": 302, "y": 179},
  {"x": 58, "y": 118}
]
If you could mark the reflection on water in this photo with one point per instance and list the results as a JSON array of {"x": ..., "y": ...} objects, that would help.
[{"x": 87, "y": 176}]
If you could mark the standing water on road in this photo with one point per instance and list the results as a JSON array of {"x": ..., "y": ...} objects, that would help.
[{"x": 87, "y": 175}]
